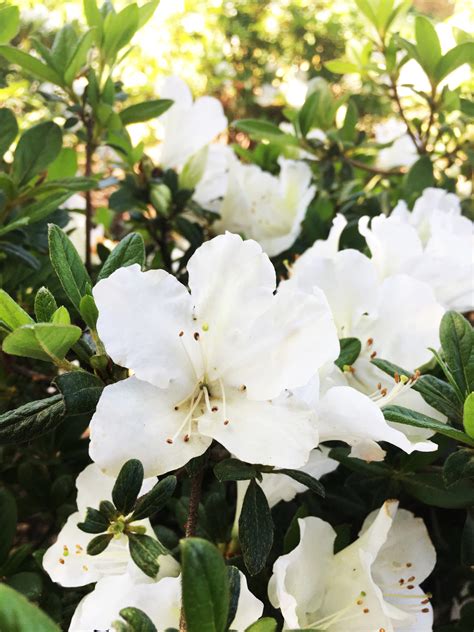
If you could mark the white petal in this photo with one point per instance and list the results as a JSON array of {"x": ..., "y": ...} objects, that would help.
[
  {"x": 141, "y": 315},
  {"x": 176, "y": 89},
  {"x": 347, "y": 415},
  {"x": 348, "y": 279},
  {"x": 263, "y": 432},
  {"x": 279, "y": 487},
  {"x": 249, "y": 608},
  {"x": 329, "y": 247},
  {"x": 133, "y": 420},
  {"x": 299, "y": 578},
  {"x": 286, "y": 346},
  {"x": 161, "y": 601}
]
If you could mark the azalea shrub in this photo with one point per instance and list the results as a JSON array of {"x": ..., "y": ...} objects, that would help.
[{"x": 237, "y": 363}]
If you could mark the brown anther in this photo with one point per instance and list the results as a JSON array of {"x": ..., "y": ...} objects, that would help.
[
  {"x": 61, "y": 561},
  {"x": 379, "y": 386},
  {"x": 226, "y": 422},
  {"x": 373, "y": 354},
  {"x": 401, "y": 582},
  {"x": 383, "y": 392},
  {"x": 409, "y": 564},
  {"x": 411, "y": 579},
  {"x": 370, "y": 341},
  {"x": 425, "y": 601},
  {"x": 85, "y": 568},
  {"x": 186, "y": 438},
  {"x": 396, "y": 377},
  {"x": 242, "y": 388},
  {"x": 425, "y": 610},
  {"x": 214, "y": 409},
  {"x": 170, "y": 441},
  {"x": 365, "y": 610},
  {"x": 176, "y": 407},
  {"x": 410, "y": 587},
  {"x": 196, "y": 335},
  {"x": 359, "y": 602},
  {"x": 181, "y": 334},
  {"x": 381, "y": 629}
]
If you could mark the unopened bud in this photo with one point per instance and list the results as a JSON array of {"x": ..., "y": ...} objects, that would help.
[{"x": 160, "y": 197}]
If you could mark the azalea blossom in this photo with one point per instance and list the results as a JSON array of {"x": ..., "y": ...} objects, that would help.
[
  {"x": 265, "y": 207},
  {"x": 67, "y": 561},
  {"x": 433, "y": 243},
  {"x": 212, "y": 363},
  {"x": 396, "y": 319},
  {"x": 372, "y": 584},
  {"x": 188, "y": 125},
  {"x": 160, "y": 600},
  {"x": 401, "y": 152}
]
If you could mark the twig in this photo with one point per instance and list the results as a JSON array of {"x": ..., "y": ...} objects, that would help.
[{"x": 89, "y": 124}]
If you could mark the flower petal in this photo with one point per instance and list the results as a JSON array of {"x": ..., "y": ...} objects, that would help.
[
  {"x": 286, "y": 345},
  {"x": 134, "y": 419},
  {"x": 249, "y": 608},
  {"x": 141, "y": 315},
  {"x": 263, "y": 432}
]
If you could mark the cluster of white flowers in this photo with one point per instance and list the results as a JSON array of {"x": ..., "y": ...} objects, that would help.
[{"x": 237, "y": 360}]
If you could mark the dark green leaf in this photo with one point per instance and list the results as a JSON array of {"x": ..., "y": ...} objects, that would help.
[
  {"x": 409, "y": 417},
  {"x": 304, "y": 478},
  {"x": 79, "y": 57},
  {"x": 233, "y": 577},
  {"x": 28, "y": 584},
  {"x": 127, "y": 486},
  {"x": 145, "y": 552},
  {"x": 457, "y": 341},
  {"x": 419, "y": 177},
  {"x": 155, "y": 499},
  {"x": 129, "y": 251},
  {"x": 348, "y": 130},
  {"x": 68, "y": 266},
  {"x": 31, "y": 64},
  {"x": 45, "y": 305},
  {"x": 205, "y": 586},
  {"x": 8, "y": 518},
  {"x": 95, "y": 522},
  {"x": 141, "y": 112},
  {"x": 31, "y": 420},
  {"x": 308, "y": 113},
  {"x": 108, "y": 510},
  {"x": 263, "y": 130},
  {"x": 17, "y": 614},
  {"x": 234, "y": 470},
  {"x": 430, "y": 489},
  {"x": 98, "y": 544},
  {"x": 137, "y": 621},
  {"x": 8, "y": 129},
  {"x": 467, "y": 539},
  {"x": 81, "y": 391},
  {"x": 255, "y": 528},
  {"x": 350, "y": 350},
  {"x": 36, "y": 149},
  {"x": 458, "y": 465}
]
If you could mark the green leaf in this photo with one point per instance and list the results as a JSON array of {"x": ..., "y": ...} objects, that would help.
[
  {"x": 39, "y": 210},
  {"x": 36, "y": 149},
  {"x": 11, "y": 313},
  {"x": 341, "y": 66},
  {"x": 457, "y": 56},
  {"x": 17, "y": 614},
  {"x": 68, "y": 266},
  {"x": 419, "y": 177},
  {"x": 308, "y": 113},
  {"x": 64, "y": 166},
  {"x": 81, "y": 391},
  {"x": 42, "y": 341},
  {"x": 458, "y": 465},
  {"x": 30, "y": 64},
  {"x": 93, "y": 14},
  {"x": 348, "y": 131},
  {"x": 89, "y": 311},
  {"x": 264, "y": 130},
  {"x": 304, "y": 478},
  {"x": 234, "y": 470},
  {"x": 255, "y": 528},
  {"x": 350, "y": 350},
  {"x": 94, "y": 522},
  {"x": 430, "y": 489},
  {"x": 45, "y": 305},
  {"x": 61, "y": 316},
  {"x": 233, "y": 578},
  {"x": 427, "y": 44},
  {"x": 127, "y": 486},
  {"x": 457, "y": 341},
  {"x": 31, "y": 420},
  {"x": 8, "y": 128},
  {"x": 9, "y": 23},
  {"x": 79, "y": 57},
  {"x": 119, "y": 29},
  {"x": 130, "y": 250},
  {"x": 366, "y": 9},
  {"x": 146, "y": 11},
  {"x": 145, "y": 552},
  {"x": 408, "y": 417},
  {"x": 267, "y": 624},
  {"x": 205, "y": 586},
  {"x": 8, "y": 519},
  {"x": 142, "y": 112},
  {"x": 98, "y": 544},
  {"x": 155, "y": 499},
  {"x": 27, "y": 583},
  {"x": 468, "y": 415},
  {"x": 136, "y": 619}
]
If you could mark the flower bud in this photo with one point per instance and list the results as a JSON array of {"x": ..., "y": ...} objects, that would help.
[{"x": 160, "y": 197}]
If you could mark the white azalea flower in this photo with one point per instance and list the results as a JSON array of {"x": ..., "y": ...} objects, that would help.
[
  {"x": 433, "y": 243},
  {"x": 187, "y": 126},
  {"x": 373, "y": 584},
  {"x": 160, "y": 600},
  {"x": 265, "y": 207},
  {"x": 402, "y": 151},
  {"x": 213, "y": 185},
  {"x": 67, "y": 561},
  {"x": 210, "y": 364},
  {"x": 396, "y": 319}
]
